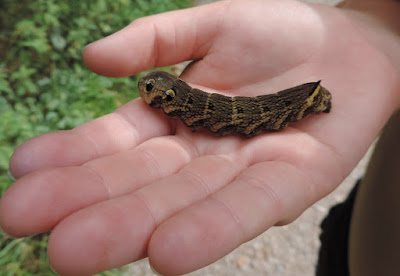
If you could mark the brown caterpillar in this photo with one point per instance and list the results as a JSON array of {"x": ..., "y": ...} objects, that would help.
[{"x": 224, "y": 115}]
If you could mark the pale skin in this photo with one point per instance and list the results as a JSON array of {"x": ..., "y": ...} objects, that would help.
[{"x": 135, "y": 184}]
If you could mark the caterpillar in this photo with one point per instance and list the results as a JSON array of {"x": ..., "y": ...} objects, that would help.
[{"x": 223, "y": 115}]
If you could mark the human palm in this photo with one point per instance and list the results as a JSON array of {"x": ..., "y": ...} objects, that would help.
[{"x": 135, "y": 183}]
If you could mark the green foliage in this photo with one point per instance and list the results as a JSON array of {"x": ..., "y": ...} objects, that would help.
[
  {"x": 24, "y": 256},
  {"x": 28, "y": 256},
  {"x": 45, "y": 86}
]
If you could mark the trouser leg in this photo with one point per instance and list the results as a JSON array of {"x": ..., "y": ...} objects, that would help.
[{"x": 374, "y": 244}]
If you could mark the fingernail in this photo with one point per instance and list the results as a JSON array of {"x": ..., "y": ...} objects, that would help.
[
  {"x": 10, "y": 175},
  {"x": 154, "y": 271}
]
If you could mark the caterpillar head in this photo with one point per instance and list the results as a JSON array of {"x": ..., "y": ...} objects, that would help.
[{"x": 158, "y": 88}]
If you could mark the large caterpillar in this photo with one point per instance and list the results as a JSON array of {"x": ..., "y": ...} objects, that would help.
[{"x": 224, "y": 115}]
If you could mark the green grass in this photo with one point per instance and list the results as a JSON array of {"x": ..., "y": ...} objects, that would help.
[{"x": 45, "y": 86}]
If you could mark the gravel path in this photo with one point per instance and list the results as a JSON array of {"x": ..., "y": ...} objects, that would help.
[{"x": 281, "y": 251}]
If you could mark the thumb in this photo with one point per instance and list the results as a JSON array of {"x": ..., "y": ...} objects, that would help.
[{"x": 156, "y": 41}]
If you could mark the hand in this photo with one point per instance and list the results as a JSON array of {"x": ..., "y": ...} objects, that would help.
[{"x": 134, "y": 183}]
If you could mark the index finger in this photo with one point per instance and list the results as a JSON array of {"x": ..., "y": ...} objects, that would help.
[{"x": 128, "y": 126}]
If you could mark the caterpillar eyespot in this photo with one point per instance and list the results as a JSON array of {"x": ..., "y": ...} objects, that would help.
[
  {"x": 170, "y": 94},
  {"x": 150, "y": 84},
  {"x": 223, "y": 115}
]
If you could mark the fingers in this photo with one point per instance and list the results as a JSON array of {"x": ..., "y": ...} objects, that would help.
[
  {"x": 120, "y": 228},
  {"x": 207, "y": 231},
  {"x": 218, "y": 217},
  {"x": 38, "y": 201},
  {"x": 155, "y": 41},
  {"x": 267, "y": 193},
  {"x": 130, "y": 125}
]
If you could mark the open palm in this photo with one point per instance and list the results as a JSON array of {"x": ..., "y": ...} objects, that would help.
[{"x": 135, "y": 183}]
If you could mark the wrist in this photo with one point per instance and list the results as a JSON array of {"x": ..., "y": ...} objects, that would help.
[
  {"x": 379, "y": 22},
  {"x": 384, "y": 12}
]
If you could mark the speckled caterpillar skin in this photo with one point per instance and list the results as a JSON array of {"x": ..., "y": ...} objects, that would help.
[{"x": 224, "y": 115}]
